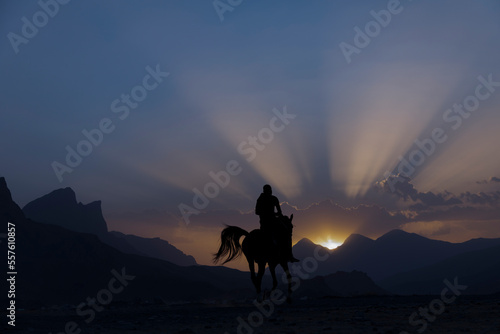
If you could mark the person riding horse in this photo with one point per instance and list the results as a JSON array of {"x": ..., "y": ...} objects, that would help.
[{"x": 270, "y": 222}]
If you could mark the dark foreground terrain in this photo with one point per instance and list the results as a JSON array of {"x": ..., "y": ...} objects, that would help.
[{"x": 467, "y": 314}]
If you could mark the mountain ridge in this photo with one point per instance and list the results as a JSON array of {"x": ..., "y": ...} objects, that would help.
[
  {"x": 395, "y": 253},
  {"x": 60, "y": 207},
  {"x": 70, "y": 266}
]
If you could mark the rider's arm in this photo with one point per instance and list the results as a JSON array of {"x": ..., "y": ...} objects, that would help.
[{"x": 258, "y": 206}]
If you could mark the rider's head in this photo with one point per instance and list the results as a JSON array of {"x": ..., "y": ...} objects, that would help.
[{"x": 267, "y": 189}]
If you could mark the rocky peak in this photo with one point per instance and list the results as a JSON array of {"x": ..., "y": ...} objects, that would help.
[
  {"x": 9, "y": 210},
  {"x": 60, "y": 207}
]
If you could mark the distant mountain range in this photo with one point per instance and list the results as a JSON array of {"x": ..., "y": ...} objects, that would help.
[
  {"x": 479, "y": 270},
  {"x": 407, "y": 263},
  {"x": 57, "y": 265},
  {"x": 61, "y": 208},
  {"x": 65, "y": 254}
]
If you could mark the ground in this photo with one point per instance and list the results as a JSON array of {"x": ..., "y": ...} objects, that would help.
[{"x": 467, "y": 314}]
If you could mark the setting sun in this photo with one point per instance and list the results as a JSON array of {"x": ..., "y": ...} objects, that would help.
[{"x": 330, "y": 244}]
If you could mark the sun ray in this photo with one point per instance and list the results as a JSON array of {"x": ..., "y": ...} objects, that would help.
[{"x": 387, "y": 119}]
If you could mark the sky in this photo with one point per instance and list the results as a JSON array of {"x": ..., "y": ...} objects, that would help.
[{"x": 364, "y": 116}]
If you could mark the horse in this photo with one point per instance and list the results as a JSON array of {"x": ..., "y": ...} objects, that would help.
[{"x": 257, "y": 248}]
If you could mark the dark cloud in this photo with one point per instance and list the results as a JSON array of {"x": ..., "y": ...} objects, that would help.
[
  {"x": 398, "y": 185},
  {"x": 460, "y": 213},
  {"x": 402, "y": 187},
  {"x": 492, "y": 179},
  {"x": 444, "y": 198},
  {"x": 492, "y": 198}
]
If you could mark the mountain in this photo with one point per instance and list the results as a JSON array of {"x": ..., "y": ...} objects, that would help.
[
  {"x": 59, "y": 265},
  {"x": 61, "y": 208},
  {"x": 156, "y": 248},
  {"x": 9, "y": 210},
  {"x": 479, "y": 270},
  {"x": 357, "y": 241},
  {"x": 394, "y": 252},
  {"x": 63, "y": 266},
  {"x": 305, "y": 248}
]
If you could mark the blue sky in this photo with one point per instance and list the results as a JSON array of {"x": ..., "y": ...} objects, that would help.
[{"x": 353, "y": 120}]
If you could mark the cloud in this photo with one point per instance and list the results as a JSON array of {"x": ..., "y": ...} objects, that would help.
[
  {"x": 459, "y": 213},
  {"x": 441, "y": 207},
  {"x": 492, "y": 198},
  {"x": 402, "y": 187},
  {"x": 492, "y": 179},
  {"x": 398, "y": 185}
]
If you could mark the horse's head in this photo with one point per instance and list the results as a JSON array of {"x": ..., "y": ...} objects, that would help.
[{"x": 286, "y": 220}]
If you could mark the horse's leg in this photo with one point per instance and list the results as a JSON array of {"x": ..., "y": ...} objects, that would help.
[
  {"x": 289, "y": 279},
  {"x": 272, "y": 268},
  {"x": 260, "y": 274},
  {"x": 251, "y": 265}
]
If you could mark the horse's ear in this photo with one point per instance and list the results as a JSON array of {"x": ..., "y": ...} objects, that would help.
[{"x": 291, "y": 217}]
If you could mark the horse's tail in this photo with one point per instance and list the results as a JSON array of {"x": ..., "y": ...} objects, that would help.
[{"x": 230, "y": 244}]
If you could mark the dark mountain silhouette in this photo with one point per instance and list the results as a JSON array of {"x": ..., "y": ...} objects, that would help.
[
  {"x": 9, "y": 210},
  {"x": 354, "y": 248},
  {"x": 63, "y": 266},
  {"x": 479, "y": 270},
  {"x": 357, "y": 241},
  {"x": 156, "y": 248},
  {"x": 408, "y": 263},
  {"x": 61, "y": 208},
  {"x": 305, "y": 248},
  {"x": 340, "y": 283},
  {"x": 395, "y": 252}
]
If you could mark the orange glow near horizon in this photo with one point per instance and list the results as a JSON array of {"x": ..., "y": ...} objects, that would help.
[
  {"x": 326, "y": 240},
  {"x": 330, "y": 244}
]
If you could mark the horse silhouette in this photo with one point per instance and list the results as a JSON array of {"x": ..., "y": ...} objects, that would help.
[{"x": 258, "y": 248}]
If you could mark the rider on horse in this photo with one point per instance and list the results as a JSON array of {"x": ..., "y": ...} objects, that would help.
[{"x": 270, "y": 224}]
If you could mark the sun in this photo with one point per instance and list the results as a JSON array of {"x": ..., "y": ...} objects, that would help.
[{"x": 330, "y": 244}]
